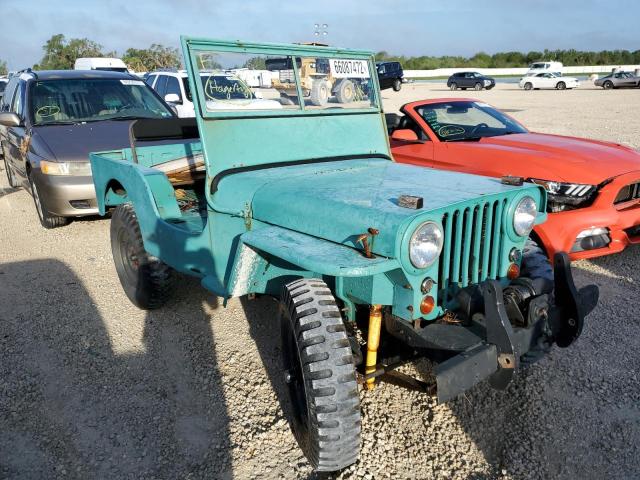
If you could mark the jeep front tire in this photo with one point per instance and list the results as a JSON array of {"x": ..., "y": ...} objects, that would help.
[
  {"x": 147, "y": 281},
  {"x": 320, "y": 374}
]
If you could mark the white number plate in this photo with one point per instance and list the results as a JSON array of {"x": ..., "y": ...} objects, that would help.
[{"x": 349, "y": 68}]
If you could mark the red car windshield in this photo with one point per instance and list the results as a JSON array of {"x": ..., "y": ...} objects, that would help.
[{"x": 467, "y": 121}]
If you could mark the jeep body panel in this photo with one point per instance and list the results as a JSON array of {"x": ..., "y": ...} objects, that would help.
[{"x": 305, "y": 203}]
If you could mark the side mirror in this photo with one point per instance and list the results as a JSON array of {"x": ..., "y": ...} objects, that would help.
[
  {"x": 9, "y": 119},
  {"x": 172, "y": 98},
  {"x": 405, "y": 135}
]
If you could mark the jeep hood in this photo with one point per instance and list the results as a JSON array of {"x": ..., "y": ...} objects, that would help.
[{"x": 338, "y": 201}]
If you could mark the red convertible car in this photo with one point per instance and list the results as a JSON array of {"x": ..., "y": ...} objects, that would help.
[{"x": 593, "y": 187}]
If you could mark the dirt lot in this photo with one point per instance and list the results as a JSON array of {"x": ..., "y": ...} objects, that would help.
[{"x": 91, "y": 387}]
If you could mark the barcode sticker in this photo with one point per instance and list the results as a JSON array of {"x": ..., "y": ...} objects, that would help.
[{"x": 341, "y": 68}]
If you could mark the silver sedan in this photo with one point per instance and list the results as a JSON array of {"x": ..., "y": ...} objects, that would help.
[{"x": 618, "y": 80}]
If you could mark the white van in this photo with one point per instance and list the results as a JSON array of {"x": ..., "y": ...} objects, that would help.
[
  {"x": 545, "y": 67},
  {"x": 101, "y": 63}
]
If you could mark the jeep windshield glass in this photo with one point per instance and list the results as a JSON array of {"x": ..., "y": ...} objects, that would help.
[
  {"x": 243, "y": 81},
  {"x": 467, "y": 121},
  {"x": 221, "y": 87},
  {"x": 93, "y": 99}
]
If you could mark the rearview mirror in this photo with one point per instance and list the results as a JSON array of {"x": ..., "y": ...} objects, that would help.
[
  {"x": 457, "y": 109},
  {"x": 404, "y": 134},
  {"x": 9, "y": 119},
  {"x": 172, "y": 98}
]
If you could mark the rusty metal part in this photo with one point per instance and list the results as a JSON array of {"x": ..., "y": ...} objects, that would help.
[
  {"x": 364, "y": 240},
  {"x": 373, "y": 342},
  {"x": 366, "y": 244},
  {"x": 24, "y": 146},
  {"x": 507, "y": 360},
  {"x": 450, "y": 317}
]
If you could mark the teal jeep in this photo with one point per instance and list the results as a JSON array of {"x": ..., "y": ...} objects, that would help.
[{"x": 264, "y": 194}]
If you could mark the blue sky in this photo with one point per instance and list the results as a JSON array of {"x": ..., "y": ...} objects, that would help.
[{"x": 410, "y": 27}]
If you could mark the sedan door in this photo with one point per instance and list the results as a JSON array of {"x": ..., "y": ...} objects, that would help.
[
  {"x": 417, "y": 152},
  {"x": 545, "y": 80},
  {"x": 627, "y": 81},
  {"x": 17, "y": 139}
]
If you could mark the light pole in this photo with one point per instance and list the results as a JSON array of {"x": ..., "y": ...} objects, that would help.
[{"x": 320, "y": 32}]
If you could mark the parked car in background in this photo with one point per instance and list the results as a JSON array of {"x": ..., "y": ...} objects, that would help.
[
  {"x": 618, "y": 80},
  {"x": 52, "y": 120},
  {"x": 548, "y": 80},
  {"x": 223, "y": 90},
  {"x": 474, "y": 80},
  {"x": 390, "y": 75},
  {"x": 545, "y": 67},
  {"x": 101, "y": 63},
  {"x": 593, "y": 187}
]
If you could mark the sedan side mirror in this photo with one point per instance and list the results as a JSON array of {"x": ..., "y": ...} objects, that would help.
[
  {"x": 405, "y": 135},
  {"x": 172, "y": 98},
  {"x": 10, "y": 119}
]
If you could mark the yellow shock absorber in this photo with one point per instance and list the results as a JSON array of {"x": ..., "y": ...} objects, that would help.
[{"x": 373, "y": 341}]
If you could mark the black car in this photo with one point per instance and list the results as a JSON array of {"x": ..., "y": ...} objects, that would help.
[
  {"x": 51, "y": 120},
  {"x": 474, "y": 80},
  {"x": 390, "y": 75}
]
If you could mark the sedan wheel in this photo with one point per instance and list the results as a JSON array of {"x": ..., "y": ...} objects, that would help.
[
  {"x": 454, "y": 86},
  {"x": 561, "y": 85},
  {"x": 47, "y": 220},
  {"x": 528, "y": 86},
  {"x": 10, "y": 176},
  {"x": 608, "y": 85}
]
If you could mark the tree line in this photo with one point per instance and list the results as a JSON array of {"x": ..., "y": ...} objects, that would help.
[
  {"x": 60, "y": 53},
  {"x": 516, "y": 59}
]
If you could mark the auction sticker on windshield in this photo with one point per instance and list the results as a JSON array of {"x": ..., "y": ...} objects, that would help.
[
  {"x": 342, "y": 68},
  {"x": 132, "y": 82}
]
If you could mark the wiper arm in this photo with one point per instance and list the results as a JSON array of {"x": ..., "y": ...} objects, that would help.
[
  {"x": 60, "y": 122},
  {"x": 130, "y": 117},
  {"x": 465, "y": 139}
]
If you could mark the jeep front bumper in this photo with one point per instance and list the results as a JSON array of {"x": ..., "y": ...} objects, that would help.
[{"x": 490, "y": 346}]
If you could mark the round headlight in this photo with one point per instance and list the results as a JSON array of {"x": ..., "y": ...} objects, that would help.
[
  {"x": 425, "y": 244},
  {"x": 525, "y": 216}
]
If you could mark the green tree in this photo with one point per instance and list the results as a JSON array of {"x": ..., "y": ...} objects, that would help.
[
  {"x": 3, "y": 67},
  {"x": 152, "y": 58},
  {"x": 207, "y": 61},
  {"x": 515, "y": 59},
  {"x": 255, "y": 63},
  {"x": 60, "y": 54}
]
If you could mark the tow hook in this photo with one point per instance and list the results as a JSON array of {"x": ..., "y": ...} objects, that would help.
[{"x": 567, "y": 323}]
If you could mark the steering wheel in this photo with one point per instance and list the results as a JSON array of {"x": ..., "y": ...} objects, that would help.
[
  {"x": 478, "y": 127},
  {"x": 124, "y": 107}
]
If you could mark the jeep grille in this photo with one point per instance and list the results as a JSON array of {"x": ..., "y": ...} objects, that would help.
[{"x": 472, "y": 243}]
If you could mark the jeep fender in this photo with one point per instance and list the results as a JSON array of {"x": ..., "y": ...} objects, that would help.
[{"x": 264, "y": 254}]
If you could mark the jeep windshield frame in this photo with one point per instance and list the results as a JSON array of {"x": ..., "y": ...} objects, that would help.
[
  {"x": 262, "y": 136},
  {"x": 192, "y": 47}
]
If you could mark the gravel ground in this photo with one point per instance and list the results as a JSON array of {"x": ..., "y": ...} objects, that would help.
[{"x": 91, "y": 387}]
